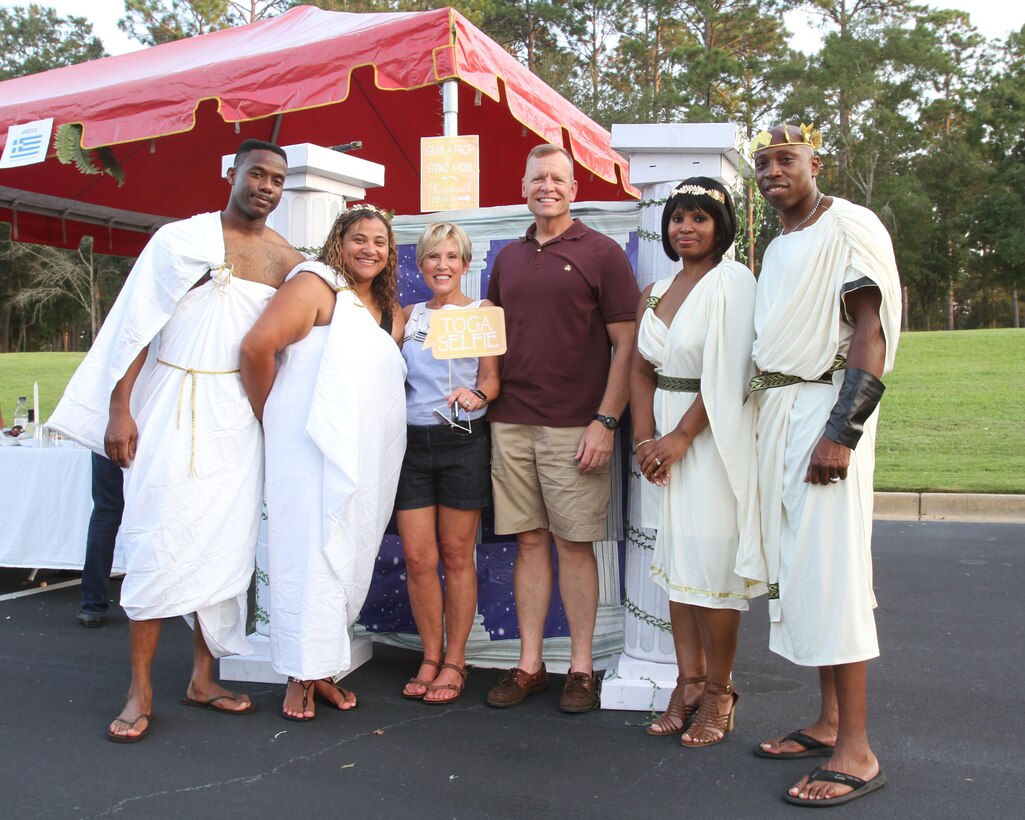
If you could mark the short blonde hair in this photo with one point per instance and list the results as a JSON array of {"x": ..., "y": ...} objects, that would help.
[{"x": 436, "y": 233}]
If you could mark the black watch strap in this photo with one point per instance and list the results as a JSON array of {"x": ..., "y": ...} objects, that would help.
[{"x": 610, "y": 422}]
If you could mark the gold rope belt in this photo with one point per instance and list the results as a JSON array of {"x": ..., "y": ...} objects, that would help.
[
  {"x": 766, "y": 381},
  {"x": 193, "y": 372},
  {"x": 677, "y": 384}
]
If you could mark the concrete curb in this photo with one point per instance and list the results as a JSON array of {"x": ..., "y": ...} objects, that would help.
[{"x": 950, "y": 507}]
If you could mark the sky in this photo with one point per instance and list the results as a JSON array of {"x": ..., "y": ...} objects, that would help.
[{"x": 993, "y": 18}]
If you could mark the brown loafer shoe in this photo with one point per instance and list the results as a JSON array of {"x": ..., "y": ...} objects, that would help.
[
  {"x": 579, "y": 693},
  {"x": 514, "y": 686}
]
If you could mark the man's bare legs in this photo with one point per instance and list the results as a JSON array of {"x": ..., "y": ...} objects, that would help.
[
  {"x": 532, "y": 592},
  {"x": 202, "y": 686},
  {"x": 841, "y": 721},
  {"x": 143, "y": 638},
  {"x": 824, "y": 728},
  {"x": 852, "y": 754},
  {"x": 578, "y": 588}
]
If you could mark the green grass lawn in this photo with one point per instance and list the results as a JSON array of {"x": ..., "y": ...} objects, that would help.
[
  {"x": 953, "y": 417},
  {"x": 18, "y": 371}
]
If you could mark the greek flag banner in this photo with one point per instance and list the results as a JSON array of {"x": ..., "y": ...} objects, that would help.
[{"x": 27, "y": 143}]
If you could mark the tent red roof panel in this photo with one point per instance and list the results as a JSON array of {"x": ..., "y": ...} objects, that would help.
[{"x": 172, "y": 110}]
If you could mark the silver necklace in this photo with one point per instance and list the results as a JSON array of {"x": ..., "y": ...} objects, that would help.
[{"x": 811, "y": 213}]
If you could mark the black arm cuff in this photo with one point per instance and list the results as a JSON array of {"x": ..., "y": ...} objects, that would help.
[{"x": 859, "y": 396}]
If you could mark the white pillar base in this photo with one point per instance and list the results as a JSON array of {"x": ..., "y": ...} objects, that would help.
[
  {"x": 257, "y": 667},
  {"x": 640, "y": 686}
]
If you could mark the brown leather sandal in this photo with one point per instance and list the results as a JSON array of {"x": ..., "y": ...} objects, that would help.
[
  {"x": 419, "y": 682},
  {"x": 708, "y": 717},
  {"x": 677, "y": 711},
  {"x": 441, "y": 687}
]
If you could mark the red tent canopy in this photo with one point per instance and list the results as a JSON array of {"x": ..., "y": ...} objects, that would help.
[{"x": 171, "y": 111}]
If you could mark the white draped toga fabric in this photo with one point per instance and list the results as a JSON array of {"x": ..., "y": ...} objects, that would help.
[
  {"x": 335, "y": 429},
  {"x": 818, "y": 558},
  {"x": 193, "y": 493},
  {"x": 708, "y": 513}
]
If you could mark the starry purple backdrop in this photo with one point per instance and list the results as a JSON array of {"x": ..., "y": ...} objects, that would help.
[{"x": 387, "y": 606}]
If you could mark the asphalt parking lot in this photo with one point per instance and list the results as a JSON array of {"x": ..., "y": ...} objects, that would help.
[{"x": 946, "y": 720}]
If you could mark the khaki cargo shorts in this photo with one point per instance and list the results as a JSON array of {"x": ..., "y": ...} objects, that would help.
[{"x": 536, "y": 483}]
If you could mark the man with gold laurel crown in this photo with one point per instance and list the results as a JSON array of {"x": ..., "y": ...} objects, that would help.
[{"x": 827, "y": 318}]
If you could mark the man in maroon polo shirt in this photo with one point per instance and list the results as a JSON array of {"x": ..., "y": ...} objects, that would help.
[{"x": 570, "y": 298}]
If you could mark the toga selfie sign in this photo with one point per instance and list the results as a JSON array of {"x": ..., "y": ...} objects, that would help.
[
  {"x": 464, "y": 333},
  {"x": 456, "y": 334}
]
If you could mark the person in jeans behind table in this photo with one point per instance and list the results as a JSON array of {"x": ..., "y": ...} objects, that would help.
[
  {"x": 446, "y": 473},
  {"x": 569, "y": 296},
  {"x": 108, "y": 507}
]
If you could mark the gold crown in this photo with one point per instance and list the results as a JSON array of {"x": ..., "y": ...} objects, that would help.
[
  {"x": 809, "y": 136},
  {"x": 697, "y": 190},
  {"x": 366, "y": 206}
]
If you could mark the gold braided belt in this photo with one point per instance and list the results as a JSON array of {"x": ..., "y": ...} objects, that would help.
[
  {"x": 193, "y": 372},
  {"x": 767, "y": 381},
  {"x": 677, "y": 384}
]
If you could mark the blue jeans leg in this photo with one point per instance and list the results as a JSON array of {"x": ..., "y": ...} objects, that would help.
[{"x": 108, "y": 506}]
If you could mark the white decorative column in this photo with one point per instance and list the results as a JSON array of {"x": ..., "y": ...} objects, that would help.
[
  {"x": 643, "y": 676},
  {"x": 319, "y": 183}
]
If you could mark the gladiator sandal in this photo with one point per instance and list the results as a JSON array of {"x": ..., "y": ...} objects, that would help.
[
  {"x": 677, "y": 714},
  {"x": 307, "y": 689},
  {"x": 708, "y": 720}
]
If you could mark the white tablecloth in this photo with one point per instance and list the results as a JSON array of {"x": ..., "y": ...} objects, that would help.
[{"x": 45, "y": 503}]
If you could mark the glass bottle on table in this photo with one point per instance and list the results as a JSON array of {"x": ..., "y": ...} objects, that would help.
[{"x": 21, "y": 413}]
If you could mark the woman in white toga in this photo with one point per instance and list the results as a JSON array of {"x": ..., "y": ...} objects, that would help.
[
  {"x": 694, "y": 437},
  {"x": 334, "y": 432}
]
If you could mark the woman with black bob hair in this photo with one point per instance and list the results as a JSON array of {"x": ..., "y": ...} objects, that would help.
[{"x": 695, "y": 442}]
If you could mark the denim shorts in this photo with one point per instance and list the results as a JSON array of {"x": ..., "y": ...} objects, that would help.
[{"x": 444, "y": 468}]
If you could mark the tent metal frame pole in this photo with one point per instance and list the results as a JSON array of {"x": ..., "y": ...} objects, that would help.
[{"x": 450, "y": 107}]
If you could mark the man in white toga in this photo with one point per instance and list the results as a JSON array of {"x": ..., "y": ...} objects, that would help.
[
  {"x": 160, "y": 394},
  {"x": 827, "y": 318}
]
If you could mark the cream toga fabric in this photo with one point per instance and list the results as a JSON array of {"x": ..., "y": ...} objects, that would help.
[
  {"x": 708, "y": 515},
  {"x": 335, "y": 427},
  {"x": 193, "y": 493},
  {"x": 818, "y": 538}
]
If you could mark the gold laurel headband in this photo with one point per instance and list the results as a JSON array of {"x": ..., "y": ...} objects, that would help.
[
  {"x": 366, "y": 206},
  {"x": 697, "y": 190},
  {"x": 809, "y": 136}
]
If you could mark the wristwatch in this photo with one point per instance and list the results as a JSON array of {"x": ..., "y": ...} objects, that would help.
[{"x": 609, "y": 422}]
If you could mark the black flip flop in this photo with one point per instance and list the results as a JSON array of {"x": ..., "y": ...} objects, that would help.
[
  {"x": 861, "y": 788},
  {"x": 113, "y": 737},
  {"x": 812, "y": 748}
]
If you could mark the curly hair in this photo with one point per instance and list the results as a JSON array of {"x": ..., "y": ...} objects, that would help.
[{"x": 384, "y": 289}]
